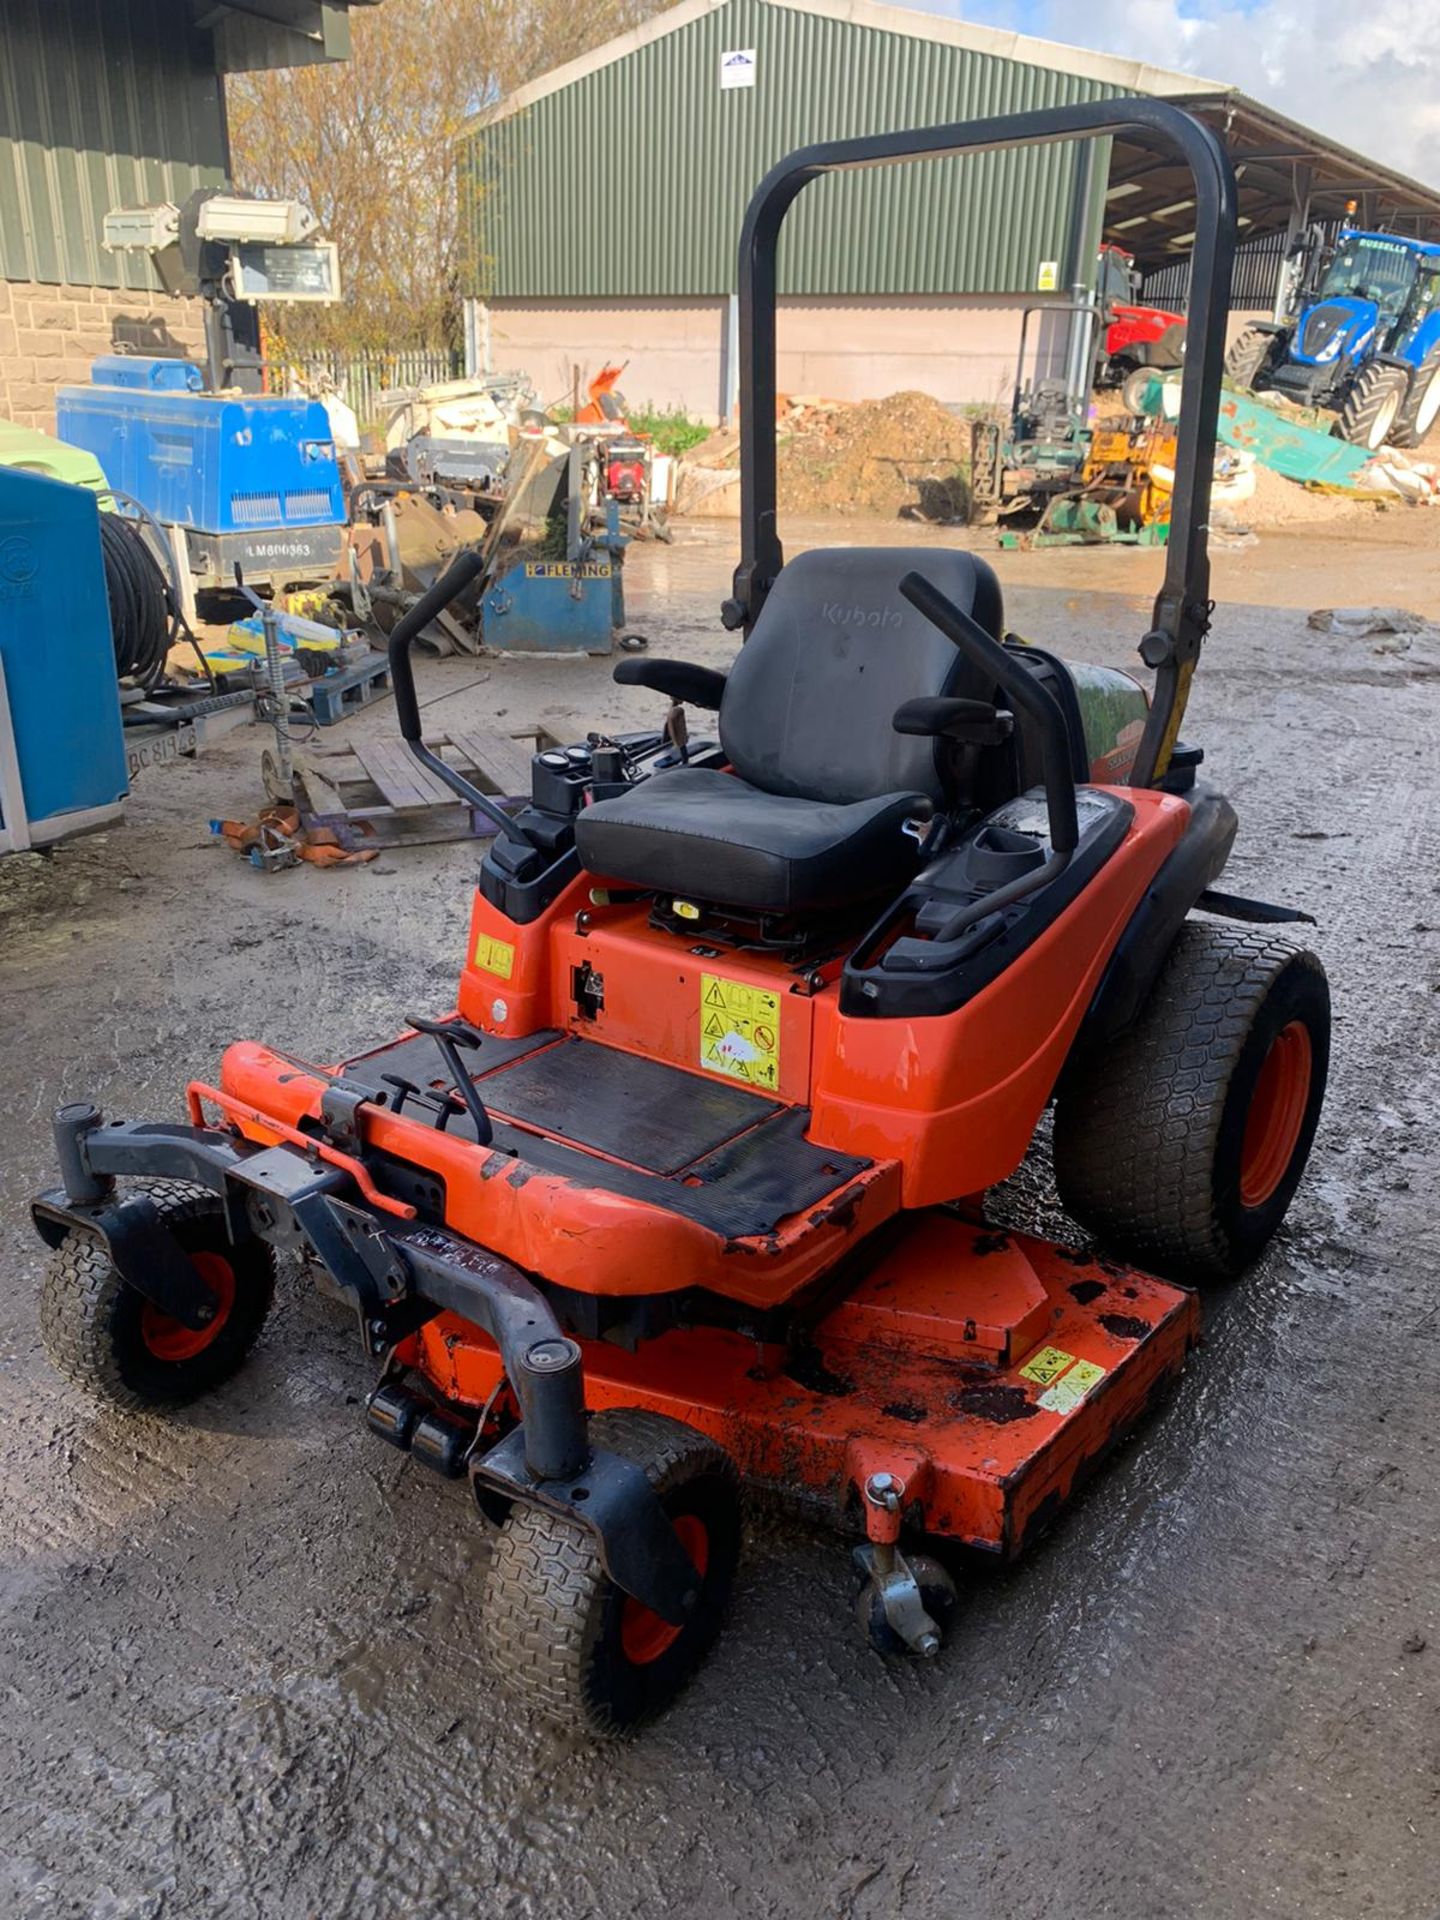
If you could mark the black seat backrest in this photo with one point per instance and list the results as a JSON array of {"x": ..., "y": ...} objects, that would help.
[{"x": 810, "y": 699}]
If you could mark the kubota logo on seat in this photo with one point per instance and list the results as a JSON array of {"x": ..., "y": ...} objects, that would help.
[{"x": 839, "y": 616}]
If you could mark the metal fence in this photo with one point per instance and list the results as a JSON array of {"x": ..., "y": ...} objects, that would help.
[
  {"x": 1253, "y": 282},
  {"x": 362, "y": 377}
]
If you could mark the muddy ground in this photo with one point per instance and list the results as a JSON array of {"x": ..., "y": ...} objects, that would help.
[{"x": 239, "y": 1651}]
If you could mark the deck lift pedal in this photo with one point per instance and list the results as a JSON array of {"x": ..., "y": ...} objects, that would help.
[
  {"x": 233, "y": 475},
  {"x": 687, "y": 1192}
]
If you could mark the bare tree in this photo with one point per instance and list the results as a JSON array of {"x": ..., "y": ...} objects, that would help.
[{"x": 370, "y": 145}]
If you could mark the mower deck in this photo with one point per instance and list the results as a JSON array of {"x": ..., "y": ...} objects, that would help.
[{"x": 988, "y": 1372}]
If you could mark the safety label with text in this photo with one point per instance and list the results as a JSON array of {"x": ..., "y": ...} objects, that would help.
[
  {"x": 740, "y": 1031},
  {"x": 1071, "y": 1389}
]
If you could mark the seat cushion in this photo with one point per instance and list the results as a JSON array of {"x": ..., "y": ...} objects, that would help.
[
  {"x": 811, "y": 697},
  {"x": 710, "y": 836}
]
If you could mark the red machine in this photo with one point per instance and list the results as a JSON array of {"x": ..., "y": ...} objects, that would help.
[
  {"x": 688, "y": 1191},
  {"x": 1134, "y": 337},
  {"x": 627, "y": 454}
]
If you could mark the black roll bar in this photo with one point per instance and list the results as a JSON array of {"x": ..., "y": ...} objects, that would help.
[{"x": 1182, "y": 607}]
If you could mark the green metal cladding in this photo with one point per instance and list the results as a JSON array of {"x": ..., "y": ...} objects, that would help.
[
  {"x": 632, "y": 180},
  {"x": 101, "y": 106}
]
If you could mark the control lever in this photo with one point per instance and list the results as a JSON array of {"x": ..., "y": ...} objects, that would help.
[
  {"x": 449, "y": 1036},
  {"x": 446, "y": 1104},
  {"x": 467, "y": 566},
  {"x": 1027, "y": 695},
  {"x": 1025, "y": 692}
]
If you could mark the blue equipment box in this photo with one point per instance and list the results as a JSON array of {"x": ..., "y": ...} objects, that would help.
[
  {"x": 62, "y": 749},
  {"x": 218, "y": 463}
]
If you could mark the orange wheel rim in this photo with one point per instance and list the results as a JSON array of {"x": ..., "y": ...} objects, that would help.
[
  {"x": 170, "y": 1339},
  {"x": 1277, "y": 1113},
  {"x": 644, "y": 1636}
]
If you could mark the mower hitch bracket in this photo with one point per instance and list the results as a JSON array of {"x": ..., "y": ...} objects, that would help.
[{"x": 613, "y": 1499}]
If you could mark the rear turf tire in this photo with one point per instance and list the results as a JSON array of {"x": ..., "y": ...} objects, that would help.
[
  {"x": 1181, "y": 1146},
  {"x": 1248, "y": 357},
  {"x": 563, "y": 1639},
  {"x": 1369, "y": 418},
  {"x": 108, "y": 1340},
  {"x": 1421, "y": 408}
]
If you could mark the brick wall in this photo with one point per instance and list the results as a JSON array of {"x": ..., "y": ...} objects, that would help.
[{"x": 49, "y": 336}]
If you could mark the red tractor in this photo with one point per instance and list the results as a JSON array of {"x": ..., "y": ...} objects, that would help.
[{"x": 1134, "y": 338}]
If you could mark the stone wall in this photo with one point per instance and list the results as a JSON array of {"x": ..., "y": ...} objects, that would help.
[{"x": 49, "y": 336}]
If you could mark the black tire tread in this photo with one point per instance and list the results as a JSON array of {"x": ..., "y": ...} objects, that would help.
[
  {"x": 1246, "y": 357},
  {"x": 78, "y": 1295},
  {"x": 542, "y": 1609},
  {"x": 1406, "y": 433},
  {"x": 1137, "y": 1126},
  {"x": 1363, "y": 403}
]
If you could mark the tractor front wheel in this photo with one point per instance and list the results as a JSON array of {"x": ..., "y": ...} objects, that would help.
[
  {"x": 1369, "y": 418},
  {"x": 563, "y": 1638},
  {"x": 1248, "y": 357},
  {"x": 1421, "y": 408},
  {"x": 1181, "y": 1146},
  {"x": 113, "y": 1343}
]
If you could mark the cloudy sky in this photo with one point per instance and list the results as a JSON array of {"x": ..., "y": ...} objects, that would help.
[{"x": 1367, "y": 72}]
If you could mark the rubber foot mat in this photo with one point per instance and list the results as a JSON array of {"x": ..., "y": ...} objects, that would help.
[
  {"x": 641, "y": 1111},
  {"x": 418, "y": 1058}
]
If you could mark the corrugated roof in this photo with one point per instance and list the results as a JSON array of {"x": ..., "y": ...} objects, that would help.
[
  {"x": 625, "y": 171},
  {"x": 632, "y": 177},
  {"x": 1112, "y": 72}
]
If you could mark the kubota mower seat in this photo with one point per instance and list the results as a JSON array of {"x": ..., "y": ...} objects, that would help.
[{"x": 812, "y": 816}]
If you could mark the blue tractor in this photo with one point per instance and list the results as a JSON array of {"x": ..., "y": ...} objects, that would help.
[{"x": 1365, "y": 341}]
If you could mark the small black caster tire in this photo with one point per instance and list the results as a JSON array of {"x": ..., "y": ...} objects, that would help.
[
  {"x": 937, "y": 1594},
  {"x": 564, "y": 1640},
  {"x": 112, "y": 1343}
]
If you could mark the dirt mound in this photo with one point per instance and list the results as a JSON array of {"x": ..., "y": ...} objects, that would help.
[
  {"x": 1278, "y": 502},
  {"x": 875, "y": 457}
]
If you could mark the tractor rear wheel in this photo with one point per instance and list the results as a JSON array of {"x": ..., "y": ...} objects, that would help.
[
  {"x": 562, "y": 1637},
  {"x": 113, "y": 1343},
  {"x": 1422, "y": 403},
  {"x": 1181, "y": 1147},
  {"x": 1248, "y": 357},
  {"x": 1372, "y": 407}
]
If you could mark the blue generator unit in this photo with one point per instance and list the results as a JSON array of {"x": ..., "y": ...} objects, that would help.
[
  {"x": 62, "y": 750},
  {"x": 233, "y": 478}
]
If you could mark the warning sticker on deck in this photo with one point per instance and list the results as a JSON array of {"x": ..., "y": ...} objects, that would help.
[
  {"x": 1067, "y": 1394},
  {"x": 740, "y": 1031},
  {"x": 1047, "y": 1365},
  {"x": 494, "y": 956}
]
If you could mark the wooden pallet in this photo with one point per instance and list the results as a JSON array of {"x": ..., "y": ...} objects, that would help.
[{"x": 375, "y": 793}]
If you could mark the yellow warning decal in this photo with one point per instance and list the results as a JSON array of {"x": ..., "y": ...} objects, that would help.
[
  {"x": 495, "y": 956},
  {"x": 740, "y": 1031},
  {"x": 1067, "y": 1394},
  {"x": 1047, "y": 1365}
]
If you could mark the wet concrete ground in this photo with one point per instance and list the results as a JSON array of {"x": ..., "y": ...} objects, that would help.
[{"x": 239, "y": 1657}]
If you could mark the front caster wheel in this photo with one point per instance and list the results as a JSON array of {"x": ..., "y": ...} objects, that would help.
[
  {"x": 564, "y": 1640},
  {"x": 905, "y": 1601},
  {"x": 113, "y": 1343}
]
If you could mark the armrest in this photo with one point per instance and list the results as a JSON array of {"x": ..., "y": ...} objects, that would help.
[
  {"x": 677, "y": 679},
  {"x": 973, "y": 721}
]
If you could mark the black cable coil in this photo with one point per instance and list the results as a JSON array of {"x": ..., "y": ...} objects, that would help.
[{"x": 144, "y": 619}]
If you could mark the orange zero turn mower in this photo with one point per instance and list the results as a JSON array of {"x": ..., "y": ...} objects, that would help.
[{"x": 685, "y": 1194}]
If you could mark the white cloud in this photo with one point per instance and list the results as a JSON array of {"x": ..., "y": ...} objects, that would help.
[{"x": 1365, "y": 72}]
